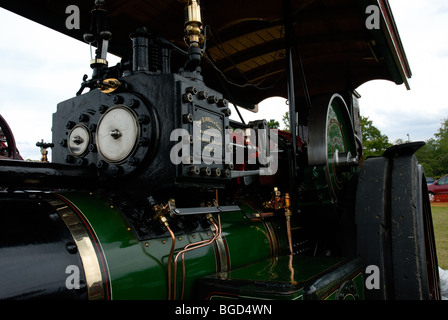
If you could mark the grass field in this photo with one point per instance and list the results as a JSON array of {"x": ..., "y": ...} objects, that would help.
[{"x": 440, "y": 221}]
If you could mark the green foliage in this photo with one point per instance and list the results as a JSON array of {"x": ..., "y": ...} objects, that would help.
[
  {"x": 434, "y": 155},
  {"x": 285, "y": 120},
  {"x": 272, "y": 124},
  {"x": 374, "y": 143}
]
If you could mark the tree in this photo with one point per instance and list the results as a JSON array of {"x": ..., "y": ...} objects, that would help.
[
  {"x": 434, "y": 155},
  {"x": 373, "y": 141},
  {"x": 427, "y": 157},
  {"x": 272, "y": 124},
  {"x": 286, "y": 121}
]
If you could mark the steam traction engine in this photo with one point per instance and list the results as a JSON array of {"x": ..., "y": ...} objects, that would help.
[{"x": 153, "y": 192}]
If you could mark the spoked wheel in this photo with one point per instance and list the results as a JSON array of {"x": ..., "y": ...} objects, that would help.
[{"x": 395, "y": 231}]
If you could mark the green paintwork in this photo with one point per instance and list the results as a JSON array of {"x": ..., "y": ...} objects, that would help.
[
  {"x": 340, "y": 138},
  {"x": 138, "y": 269},
  {"x": 282, "y": 278}
]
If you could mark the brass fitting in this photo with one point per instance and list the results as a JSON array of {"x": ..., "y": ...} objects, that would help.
[
  {"x": 109, "y": 85},
  {"x": 193, "y": 24},
  {"x": 287, "y": 201},
  {"x": 164, "y": 221}
]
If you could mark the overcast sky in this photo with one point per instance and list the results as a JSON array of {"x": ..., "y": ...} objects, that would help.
[{"x": 40, "y": 67}]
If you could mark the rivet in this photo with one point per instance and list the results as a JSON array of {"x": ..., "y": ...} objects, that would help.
[
  {"x": 163, "y": 241},
  {"x": 133, "y": 161},
  {"x": 117, "y": 99},
  {"x": 146, "y": 244},
  {"x": 71, "y": 247},
  {"x": 133, "y": 103},
  {"x": 69, "y": 159},
  {"x": 187, "y": 118},
  {"x": 203, "y": 94},
  {"x": 212, "y": 99},
  {"x": 143, "y": 141},
  {"x": 206, "y": 171},
  {"x": 223, "y": 103},
  {"x": 63, "y": 143},
  {"x": 101, "y": 164},
  {"x": 194, "y": 237},
  {"x": 83, "y": 117},
  {"x": 69, "y": 124},
  {"x": 143, "y": 119},
  {"x": 192, "y": 90},
  {"x": 180, "y": 238},
  {"x": 92, "y": 127},
  {"x": 187, "y": 98}
]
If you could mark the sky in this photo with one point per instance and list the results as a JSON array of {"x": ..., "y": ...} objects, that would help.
[{"x": 40, "y": 68}]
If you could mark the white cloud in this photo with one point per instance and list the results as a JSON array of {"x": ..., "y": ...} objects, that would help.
[
  {"x": 423, "y": 27},
  {"x": 39, "y": 68}
]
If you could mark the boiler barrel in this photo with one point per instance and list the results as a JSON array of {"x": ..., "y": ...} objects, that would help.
[{"x": 80, "y": 246}]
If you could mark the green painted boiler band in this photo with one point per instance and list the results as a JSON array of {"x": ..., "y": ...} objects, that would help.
[{"x": 135, "y": 269}]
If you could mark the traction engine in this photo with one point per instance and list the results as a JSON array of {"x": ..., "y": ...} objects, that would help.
[{"x": 153, "y": 192}]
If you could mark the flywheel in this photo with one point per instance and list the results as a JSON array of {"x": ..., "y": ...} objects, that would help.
[{"x": 332, "y": 143}]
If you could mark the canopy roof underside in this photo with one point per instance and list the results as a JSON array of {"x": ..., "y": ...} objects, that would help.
[{"x": 246, "y": 40}]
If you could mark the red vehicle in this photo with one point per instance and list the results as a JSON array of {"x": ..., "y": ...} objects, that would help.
[{"x": 438, "y": 190}]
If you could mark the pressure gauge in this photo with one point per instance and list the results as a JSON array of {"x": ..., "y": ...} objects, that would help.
[
  {"x": 78, "y": 140},
  {"x": 117, "y": 134}
]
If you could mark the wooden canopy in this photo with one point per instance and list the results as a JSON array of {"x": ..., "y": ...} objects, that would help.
[{"x": 246, "y": 40}]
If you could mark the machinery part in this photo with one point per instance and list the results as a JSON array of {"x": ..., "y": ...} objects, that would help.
[
  {"x": 278, "y": 278},
  {"x": 44, "y": 233},
  {"x": 193, "y": 34},
  {"x": 394, "y": 224},
  {"x": 78, "y": 140},
  {"x": 7, "y": 142},
  {"x": 30, "y": 175},
  {"x": 40, "y": 239},
  {"x": 117, "y": 134},
  {"x": 109, "y": 85},
  {"x": 332, "y": 143},
  {"x": 43, "y": 149}
]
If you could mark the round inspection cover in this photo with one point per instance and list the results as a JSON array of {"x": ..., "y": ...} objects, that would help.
[
  {"x": 117, "y": 134},
  {"x": 78, "y": 140}
]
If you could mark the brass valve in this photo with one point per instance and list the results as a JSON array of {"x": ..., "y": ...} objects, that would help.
[
  {"x": 277, "y": 202},
  {"x": 162, "y": 210},
  {"x": 43, "y": 149},
  {"x": 193, "y": 24}
]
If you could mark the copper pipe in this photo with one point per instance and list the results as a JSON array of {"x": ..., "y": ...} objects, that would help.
[
  {"x": 288, "y": 214},
  {"x": 170, "y": 257},
  {"x": 190, "y": 247},
  {"x": 217, "y": 235},
  {"x": 288, "y": 230}
]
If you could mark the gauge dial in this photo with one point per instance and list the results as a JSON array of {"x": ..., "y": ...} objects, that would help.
[{"x": 117, "y": 134}]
